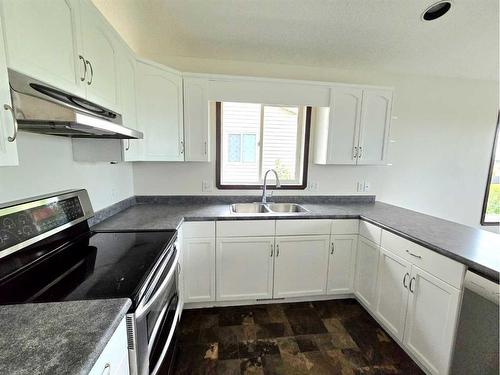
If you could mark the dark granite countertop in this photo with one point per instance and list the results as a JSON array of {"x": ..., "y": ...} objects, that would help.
[
  {"x": 57, "y": 338},
  {"x": 479, "y": 250}
]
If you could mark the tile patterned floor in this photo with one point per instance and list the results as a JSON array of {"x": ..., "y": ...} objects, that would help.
[{"x": 327, "y": 337}]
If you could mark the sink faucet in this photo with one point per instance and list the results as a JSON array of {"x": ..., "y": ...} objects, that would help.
[{"x": 264, "y": 187}]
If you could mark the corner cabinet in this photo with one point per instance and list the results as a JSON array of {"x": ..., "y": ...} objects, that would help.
[
  {"x": 342, "y": 263},
  {"x": 196, "y": 125},
  {"x": 8, "y": 129},
  {"x": 160, "y": 112},
  {"x": 354, "y": 129},
  {"x": 366, "y": 272}
]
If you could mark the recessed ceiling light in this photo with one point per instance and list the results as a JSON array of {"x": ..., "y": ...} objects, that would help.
[{"x": 436, "y": 10}]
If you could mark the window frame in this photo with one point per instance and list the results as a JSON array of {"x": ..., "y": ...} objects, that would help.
[
  {"x": 218, "y": 156},
  {"x": 490, "y": 175}
]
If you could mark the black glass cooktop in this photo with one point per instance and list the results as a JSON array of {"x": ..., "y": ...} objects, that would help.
[{"x": 92, "y": 266}]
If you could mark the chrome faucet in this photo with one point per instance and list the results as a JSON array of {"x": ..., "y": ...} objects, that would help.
[{"x": 264, "y": 187}]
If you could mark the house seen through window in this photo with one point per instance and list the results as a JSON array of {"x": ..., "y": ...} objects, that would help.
[{"x": 255, "y": 137}]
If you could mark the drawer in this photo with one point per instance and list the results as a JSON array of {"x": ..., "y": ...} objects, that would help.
[
  {"x": 302, "y": 227},
  {"x": 198, "y": 229},
  {"x": 345, "y": 226},
  {"x": 436, "y": 264},
  {"x": 370, "y": 231},
  {"x": 245, "y": 228},
  {"x": 114, "y": 354}
]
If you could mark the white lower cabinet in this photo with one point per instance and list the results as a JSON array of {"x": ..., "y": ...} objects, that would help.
[
  {"x": 114, "y": 358},
  {"x": 392, "y": 292},
  {"x": 366, "y": 272},
  {"x": 301, "y": 265},
  {"x": 342, "y": 263},
  {"x": 433, "y": 308},
  {"x": 244, "y": 268},
  {"x": 199, "y": 269}
]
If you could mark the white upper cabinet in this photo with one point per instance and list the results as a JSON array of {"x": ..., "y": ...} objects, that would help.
[
  {"x": 375, "y": 124},
  {"x": 100, "y": 45},
  {"x": 43, "y": 41},
  {"x": 354, "y": 129},
  {"x": 159, "y": 110},
  {"x": 132, "y": 149},
  {"x": 301, "y": 266},
  {"x": 8, "y": 131},
  {"x": 336, "y": 142},
  {"x": 342, "y": 263},
  {"x": 196, "y": 125}
]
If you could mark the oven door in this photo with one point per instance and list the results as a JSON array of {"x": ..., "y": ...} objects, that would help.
[{"x": 151, "y": 328}]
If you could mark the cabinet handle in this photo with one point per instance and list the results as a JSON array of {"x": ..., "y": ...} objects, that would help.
[
  {"x": 89, "y": 82},
  {"x": 182, "y": 147},
  {"x": 84, "y": 68},
  {"x": 128, "y": 145},
  {"x": 360, "y": 154},
  {"x": 106, "y": 370},
  {"x": 414, "y": 255},
  {"x": 277, "y": 250},
  {"x": 333, "y": 248},
  {"x": 355, "y": 152},
  {"x": 272, "y": 250},
  {"x": 411, "y": 284},
  {"x": 14, "y": 120},
  {"x": 206, "y": 148},
  {"x": 404, "y": 280}
]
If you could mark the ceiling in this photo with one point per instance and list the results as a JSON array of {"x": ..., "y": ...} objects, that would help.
[{"x": 385, "y": 35}]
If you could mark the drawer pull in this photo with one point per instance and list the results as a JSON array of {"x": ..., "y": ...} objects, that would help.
[
  {"x": 411, "y": 284},
  {"x": 106, "y": 370},
  {"x": 404, "y": 280},
  {"x": 414, "y": 255}
]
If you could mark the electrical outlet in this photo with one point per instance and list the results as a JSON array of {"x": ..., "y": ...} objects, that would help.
[
  {"x": 313, "y": 185},
  {"x": 359, "y": 186},
  {"x": 366, "y": 186},
  {"x": 206, "y": 186}
]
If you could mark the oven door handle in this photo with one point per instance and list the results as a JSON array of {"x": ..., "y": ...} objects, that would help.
[
  {"x": 169, "y": 339},
  {"x": 142, "y": 309},
  {"x": 159, "y": 321}
]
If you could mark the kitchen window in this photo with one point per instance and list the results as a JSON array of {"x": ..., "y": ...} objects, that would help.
[
  {"x": 254, "y": 137},
  {"x": 491, "y": 204}
]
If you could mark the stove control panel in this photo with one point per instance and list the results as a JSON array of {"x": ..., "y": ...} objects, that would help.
[{"x": 21, "y": 226}]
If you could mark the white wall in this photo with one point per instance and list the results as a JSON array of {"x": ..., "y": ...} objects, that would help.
[
  {"x": 46, "y": 165},
  {"x": 443, "y": 136}
]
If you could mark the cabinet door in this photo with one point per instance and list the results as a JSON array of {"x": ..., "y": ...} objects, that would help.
[
  {"x": 199, "y": 269},
  {"x": 100, "y": 45},
  {"x": 431, "y": 320},
  {"x": 345, "y": 115},
  {"x": 42, "y": 40},
  {"x": 366, "y": 272},
  {"x": 196, "y": 128},
  {"x": 301, "y": 266},
  {"x": 392, "y": 292},
  {"x": 342, "y": 263},
  {"x": 244, "y": 268},
  {"x": 8, "y": 149},
  {"x": 132, "y": 148},
  {"x": 159, "y": 109},
  {"x": 375, "y": 125}
]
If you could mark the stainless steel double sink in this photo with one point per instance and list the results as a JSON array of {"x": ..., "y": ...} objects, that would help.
[{"x": 266, "y": 208}]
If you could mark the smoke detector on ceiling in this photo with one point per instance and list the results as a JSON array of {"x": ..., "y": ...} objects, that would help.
[{"x": 436, "y": 10}]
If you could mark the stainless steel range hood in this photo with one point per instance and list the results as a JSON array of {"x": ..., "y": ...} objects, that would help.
[{"x": 41, "y": 108}]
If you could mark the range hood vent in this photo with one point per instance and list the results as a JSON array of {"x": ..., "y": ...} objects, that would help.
[{"x": 43, "y": 109}]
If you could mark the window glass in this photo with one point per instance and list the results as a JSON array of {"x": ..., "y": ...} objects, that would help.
[
  {"x": 254, "y": 138},
  {"x": 491, "y": 207}
]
